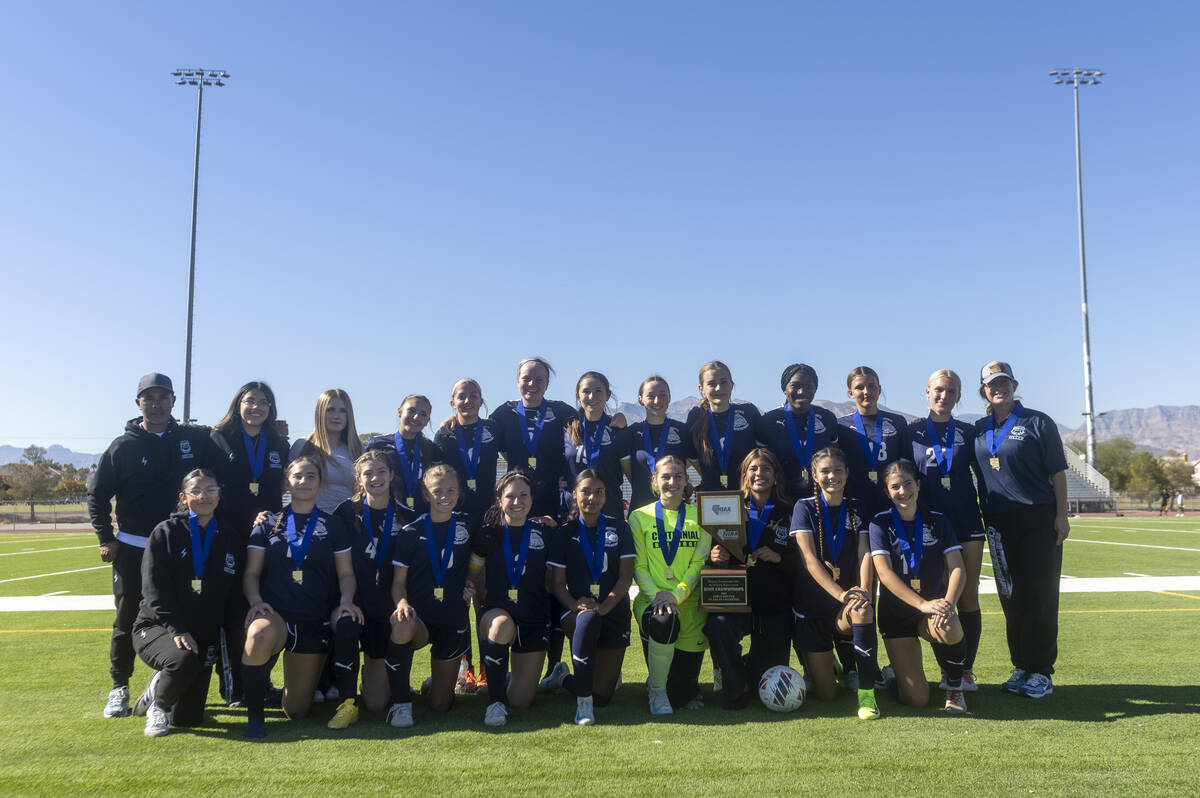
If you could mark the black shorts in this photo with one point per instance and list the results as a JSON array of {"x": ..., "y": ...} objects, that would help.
[
  {"x": 531, "y": 637},
  {"x": 449, "y": 642},
  {"x": 616, "y": 628},
  {"x": 816, "y": 633},
  {"x": 968, "y": 535},
  {"x": 307, "y": 637},
  {"x": 897, "y": 619},
  {"x": 374, "y": 638}
]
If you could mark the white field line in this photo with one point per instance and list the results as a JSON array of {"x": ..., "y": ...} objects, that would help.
[
  {"x": 57, "y": 573},
  {"x": 44, "y": 551},
  {"x": 1134, "y": 545},
  {"x": 56, "y": 593},
  {"x": 38, "y": 538},
  {"x": 1108, "y": 528},
  {"x": 1131, "y": 573}
]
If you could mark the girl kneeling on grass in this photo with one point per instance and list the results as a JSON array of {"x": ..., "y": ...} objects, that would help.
[
  {"x": 912, "y": 548},
  {"x": 189, "y": 572},
  {"x": 591, "y": 569},
  {"x": 671, "y": 548},
  {"x": 514, "y": 614},
  {"x": 832, "y": 600},
  {"x": 292, "y": 560},
  {"x": 432, "y": 594}
]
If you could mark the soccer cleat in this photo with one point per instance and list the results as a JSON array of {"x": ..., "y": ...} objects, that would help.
[
  {"x": 584, "y": 716},
  {"x": 1016, "y": 681},
  {"x": 333, "y": 694},
  {"x": 118, "y": 702},
  {"x": 256, "y": 726},
  {"x": 968, "y": 683},
  {"x": 867, "y": 708},
  {"x": 850, "y": 681},
  {"x": 496, "y": 715},
  {"x": 147, "y": 698},
  {"x": 695, "y": 703},
  {"x": 956, "y": 702},
  {"x": 158, "y": 722},
  {"x": 400, "y": 715},
  {"x": 344, "y": 716},
  {"x": 481, "y": 681},
  {"x": 1038, "y": 685},
  {"x": 887, "y": 678},
  {"x": 659, "y": 703},
  {"x": 466, "y": 683},
  {"x": 318, "y": 697},
  {"x": 554, "y": 680}
]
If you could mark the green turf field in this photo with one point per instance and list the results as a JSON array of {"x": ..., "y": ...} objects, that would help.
[{"x": 1123, "y": 718}]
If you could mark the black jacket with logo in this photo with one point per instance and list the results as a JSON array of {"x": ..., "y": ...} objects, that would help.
[
  {"x": 233, "y": 472},
  {"x": 144, "y": 471}
]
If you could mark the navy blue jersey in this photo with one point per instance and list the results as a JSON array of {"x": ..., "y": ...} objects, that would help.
[
  {"x": 566, "y": 551},
  {"x": 547, "y": 464},
  {"x": 678, "y": 443},
  {"x": 533, "y": 602},
  {"x": 475, "y": 500},
  {"x": 372, "y": 556},
  {"x": 412, "y": 552},
  {"x": 770, "y": 582},
  {"x": 1030, "y": 453},
  {"x": 315, "y": 595},
  {"x": 614, "y": 447},
  {"x": 958, "y": 502},
  {"x": 872, "y": 494},
  {"x": 741, "y": 443},
  {"x": 773, "y": 433},
  {"x": 807, "y": 520},
  {"x": 429, "y": 454},
  {"x": 937, "y": 541}
]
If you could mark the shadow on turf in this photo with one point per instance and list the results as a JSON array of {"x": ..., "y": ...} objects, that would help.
[{"x": 1083, "y": 703}]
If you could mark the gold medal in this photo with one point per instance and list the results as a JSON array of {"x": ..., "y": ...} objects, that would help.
[
  {"x": 946, "y": 483},
  {"x": 439, "y": 593},
  {"x": 512, "y": 595},
  {"x": 533, "y": 462},
  {"x": 195, "y": 585},
  {"x": 471, "y": 483},
  {"x": 298, "y": 576},
  {"x": 915, "y": 584},
  {"x": 595, "y": 587},
  {"x": 724, "y": 481},
  {"x": 410, "y": 502},
  {"x": 994, "y": 461},
  {"x": 669, "y": 574},
  {"x": 751, "y": 561},
  {"x": 837, "y": 572},
  {"x": 254, "y": 488},
  {"x": 873, "y": 475},
  {"x": 804, "y": 475}
]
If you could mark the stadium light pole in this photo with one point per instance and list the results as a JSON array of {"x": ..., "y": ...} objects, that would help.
[
  {"x": 1075, "y": 78},
  {"x": 198, "y": 78}
]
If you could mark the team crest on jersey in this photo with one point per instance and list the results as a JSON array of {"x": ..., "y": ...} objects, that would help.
[
  {"x": 535, "y": 541},
  {"x": 461, "y": 534},
  {"x": 781, "y": 535},
  {"x": 605, "y": 439},
  {"x": 549, "y": 414},
  {"x": 185, "y": 449},
  {"x": 889, "y": 428},
  {"x": 274, "y": 459},
  {"x": 673, "y": 436},
  {"x": 230, "y": 564},
  {"x": 486, "y": 436},
  {"x": 928, "y": 537},
  {"x": 739, "y": 421},
  {"x": 610, "y": 537},
  {"x": 1017, "y": 433}
]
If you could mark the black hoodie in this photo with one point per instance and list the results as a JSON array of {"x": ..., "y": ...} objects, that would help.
[{"x": 144, "y": 471}]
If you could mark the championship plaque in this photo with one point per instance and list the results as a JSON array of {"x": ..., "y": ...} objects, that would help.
[{"x": 724, "y": 588}]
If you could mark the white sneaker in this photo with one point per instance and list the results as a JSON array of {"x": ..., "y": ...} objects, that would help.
[
  {"x": 584, "y": 716},
  {"x": 318, "y": 697},
  {"x": 158, "y": 722},
  {"x": 554, "y": 680},
  {"x": 400, "y": 715},
  {"x": 496, "y": 715},
  {"x": 659, "y": 703},
  {"x": 968, "y": 683},
  {"x": 118, "y": 703},
  {"x": 1038, "y": 685},
  {"x": 147, "y": 697}
]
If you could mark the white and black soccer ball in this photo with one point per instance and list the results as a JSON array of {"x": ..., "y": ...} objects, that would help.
[{"x": 781, "y": 689}]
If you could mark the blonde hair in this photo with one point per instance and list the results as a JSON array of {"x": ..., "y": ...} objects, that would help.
[
  {"x": 436, "y": 472},
  {"x": 949, "y": 375},
  {"x": 320, "y": 437},
  {"x": 676, "y": 460}
]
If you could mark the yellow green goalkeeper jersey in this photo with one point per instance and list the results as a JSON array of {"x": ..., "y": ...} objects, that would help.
[{"x": 651, "y": 571}]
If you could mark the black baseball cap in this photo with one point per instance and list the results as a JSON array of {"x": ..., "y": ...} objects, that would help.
[{"x": 155, "y": 380}]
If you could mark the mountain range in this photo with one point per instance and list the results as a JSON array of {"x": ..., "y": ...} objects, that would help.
[{"x": 59, "y": 454}]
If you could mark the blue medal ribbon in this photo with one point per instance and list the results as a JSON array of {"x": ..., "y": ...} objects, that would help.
[
  {"x": 994, "y": 439},
  {"x": 669, "y": 549},
  {"x": 757, "y": 522},
  {"x": 298, "y": 545},
  {"x": 201, "y": 548},
  {"x": 654, "y": 454},
  {"x": 385, "y": 534},
  {"x": 591, "y": 444},
  {"x": 836, "y": 533},
  {"x": 723, "y": 452},
  {"x": 942, "y": 453},
  {"x": 531, "y": 439},
  {"x": 410, "y": 468},
  {"x": 514, "y": 567},
  {"x": 439, "y": 566},
  {"x": 870, "y": 451},
  {"x": 910, "y": 548},
  {"x": 470, "y": 457},
  {"x": 256, "y": 453},
  {"x": 803, "y": 450},
  {"x": 595, "y": 561}
]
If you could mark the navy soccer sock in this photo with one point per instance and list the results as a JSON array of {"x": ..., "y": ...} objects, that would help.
[
  {"x": 495, "y": 664},
  {"x": 583, "y": 651},
  {"x": 952, "y": 658},
  {"x": 399, "y": 670},
  {"x": 345, "y": 656},
  {"x": 864, "y": 654}
]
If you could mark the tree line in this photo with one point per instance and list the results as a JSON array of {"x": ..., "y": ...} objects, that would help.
[
  {"x": 39, "y": 479},
  {"x": 1139, "y": 473}
]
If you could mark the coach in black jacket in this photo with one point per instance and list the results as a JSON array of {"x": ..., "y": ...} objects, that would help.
[{"x": 142, "y": 469}]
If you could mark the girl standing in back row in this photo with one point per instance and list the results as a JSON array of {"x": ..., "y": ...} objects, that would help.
[
  {"x": 652, "y": 439},
  {"x": 721, "y": 430},
  {"x": 871, "y": 438}
]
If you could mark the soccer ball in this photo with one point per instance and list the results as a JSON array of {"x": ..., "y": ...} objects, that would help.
[{"x": 781, "y": 689}]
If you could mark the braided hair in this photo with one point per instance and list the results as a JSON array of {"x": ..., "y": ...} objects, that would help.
[{"x": 830, "y": 453}]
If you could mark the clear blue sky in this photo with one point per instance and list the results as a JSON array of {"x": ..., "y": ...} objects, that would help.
[{"x": 395, "y": 195}]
